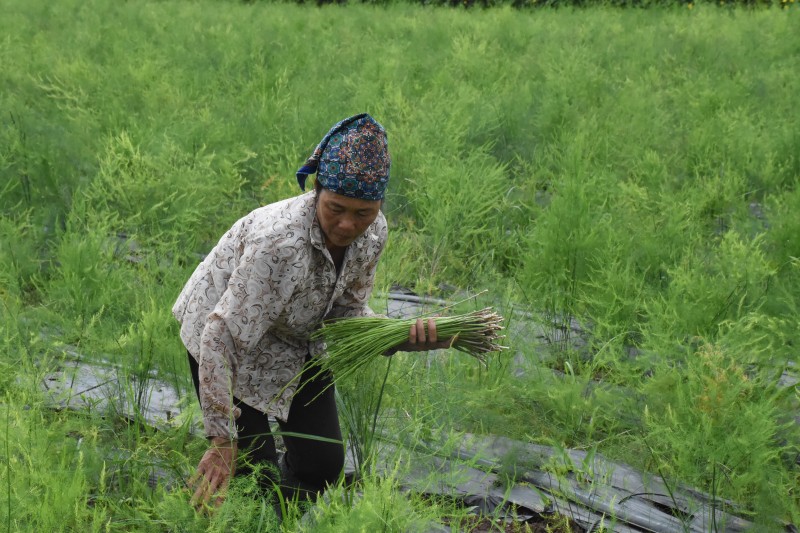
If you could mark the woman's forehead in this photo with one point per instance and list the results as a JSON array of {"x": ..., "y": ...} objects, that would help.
[{"x": 347, "y": 202}]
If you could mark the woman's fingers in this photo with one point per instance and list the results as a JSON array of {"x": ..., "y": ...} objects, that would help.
[
  {"x": 423, "y": 336},
  {"x": 432, "y": 330},
  {"x": 200, "y": 484},
  {"x": 208, "y": 485},
  {"x": 420, "y": 332},
  {"x": 213, "y": 473},
  {"x": 434, "y": 342}
]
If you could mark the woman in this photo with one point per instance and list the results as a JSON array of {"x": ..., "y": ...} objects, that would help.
[{"x": 248, "y": 311}]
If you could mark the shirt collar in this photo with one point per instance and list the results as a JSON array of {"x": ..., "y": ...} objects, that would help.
[{"x": 315, "y": 233}]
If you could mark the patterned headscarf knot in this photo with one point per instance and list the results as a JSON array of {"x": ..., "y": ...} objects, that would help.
[{"x": 352, "y": 159}]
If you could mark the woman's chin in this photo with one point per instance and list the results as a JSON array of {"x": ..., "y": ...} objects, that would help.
[{"x": 343, "y": 242}]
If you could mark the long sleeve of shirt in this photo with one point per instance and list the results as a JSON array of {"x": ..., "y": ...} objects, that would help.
[{"x": 258, "y": 291}]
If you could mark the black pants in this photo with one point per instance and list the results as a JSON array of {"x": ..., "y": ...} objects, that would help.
[{"x": 308, "y": 464}]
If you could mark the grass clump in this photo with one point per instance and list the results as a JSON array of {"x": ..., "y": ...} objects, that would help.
[
  {"x": 719, "y": 428},
  {"x": 375, "y": 504}
]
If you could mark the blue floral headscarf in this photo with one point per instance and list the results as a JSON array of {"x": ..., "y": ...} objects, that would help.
[{"x": 352, "y": 159}]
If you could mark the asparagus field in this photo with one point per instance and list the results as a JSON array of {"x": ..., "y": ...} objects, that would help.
[{"x": 621, "y": 185}]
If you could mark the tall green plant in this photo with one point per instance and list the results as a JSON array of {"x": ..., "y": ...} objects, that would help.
[
  {"x": 170, "y": 198},
  {"x": 86, "y": 278},
  {"x": 20, "y": 255},
  {"x": 569, "y": 232},
  {"x": 711, "y": 285},
  {"x": 359, "y": 400},
  {"x": 380, "y": 506},
  {"x": 716, "y": 427}
]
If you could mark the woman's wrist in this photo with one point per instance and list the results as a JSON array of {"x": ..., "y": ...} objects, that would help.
[{"x": 222, "y": 441}]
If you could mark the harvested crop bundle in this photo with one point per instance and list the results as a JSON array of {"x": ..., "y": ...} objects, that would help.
[{"x": 355, "y": 342}]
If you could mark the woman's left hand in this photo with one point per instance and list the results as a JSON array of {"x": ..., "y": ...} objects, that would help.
[{"x": 420, "y": 341}]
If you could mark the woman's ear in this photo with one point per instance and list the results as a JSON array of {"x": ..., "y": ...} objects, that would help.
[{"x": 317, "y": 190}]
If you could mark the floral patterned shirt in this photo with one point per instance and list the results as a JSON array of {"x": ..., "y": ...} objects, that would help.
[{"x": 248, "y": 310}]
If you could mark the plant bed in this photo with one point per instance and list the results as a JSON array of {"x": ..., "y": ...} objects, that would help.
[{"x": 537, "y": 524}]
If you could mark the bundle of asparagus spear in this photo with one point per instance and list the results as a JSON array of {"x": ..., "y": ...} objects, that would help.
[{"x": 355, "y": 342}]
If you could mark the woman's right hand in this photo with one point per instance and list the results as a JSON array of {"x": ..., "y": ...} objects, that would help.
[
  {"x": 214, "y": 472},
  {"x": 419, "y": 340}
]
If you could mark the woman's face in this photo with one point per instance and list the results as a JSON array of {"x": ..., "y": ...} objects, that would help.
[{"x": 344, "y": 219}]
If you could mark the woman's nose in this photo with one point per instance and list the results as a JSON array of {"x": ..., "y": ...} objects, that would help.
[{"x": 347, "y": 223}]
